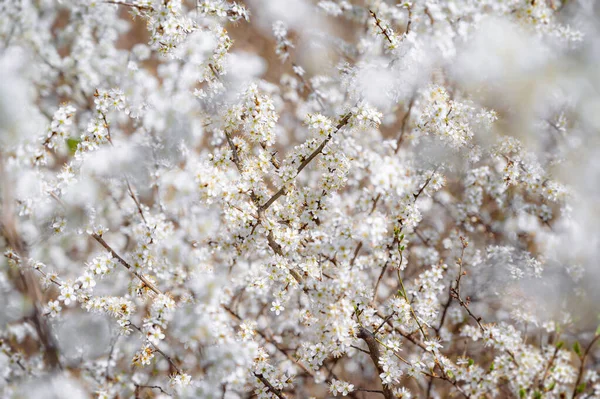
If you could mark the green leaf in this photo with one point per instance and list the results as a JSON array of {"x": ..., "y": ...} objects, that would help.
[
  {"x": 537, "y": 395},
  {"x": 560, "y": 344},
  {"x": 598, "y": 330},
  {"x": 471, "y": 362},
  {"x": 72, "y": 144},
  {"x": 581, "y": 387},
  {"x": 551, "y": 387},
  {"x": 577, "y": 348},
  {"x": 492, "y": 367},
  {"x": 450, "y": 374},
  {"x": 522, "y": 393}
]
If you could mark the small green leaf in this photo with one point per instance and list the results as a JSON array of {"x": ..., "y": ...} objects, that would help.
[
  {"x": 560, "y": 344},
  {"x": 577, "y": 348},
  {"x": 402, "y": 248},
  {"x": 581, "y": 387},
  {"x": 72, "y": 144},
  {"x": 551, "y": 387},
  {"x": 598, "y": 330},
  {"x": 537, "y": 395},
  {"x": 450, "y": 374},
  {"x": 492, "y": 367},
  {"x": 471, "y": 362},
  {"x": 522, "y": 393}
]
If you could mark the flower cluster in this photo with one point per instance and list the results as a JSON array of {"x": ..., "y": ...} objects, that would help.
[
  {"x": 451, "y": 121},
  {"x": 284, "y": 44},
  {"x": 342, "y": 387},
  {"x": 402, "y": 207}
]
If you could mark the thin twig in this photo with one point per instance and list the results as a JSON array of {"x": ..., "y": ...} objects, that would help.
[
  {"x": 381, "y": 28},
  {"x": 269, "y": 386},
  {"x": 119, "y": 3},
  {"x": 582, "y": 359},
  {"x": 157, "y": 349},
  {"x": 122, "y": 261},
  {"x": 383, "y": 270},
  {"x": 305, "y": 163},
  {"x": 153, "y": 387}
]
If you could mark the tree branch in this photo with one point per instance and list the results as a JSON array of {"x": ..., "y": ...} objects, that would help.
[{"x": 375, "y": 355}]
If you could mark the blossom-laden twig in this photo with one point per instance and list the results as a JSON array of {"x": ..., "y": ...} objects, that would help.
[
  {"x": 374, "y": 353},
  {"x": 254, "y": 194}
]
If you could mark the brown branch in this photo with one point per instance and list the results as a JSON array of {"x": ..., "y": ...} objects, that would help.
[
  {"x": 445, "y": 378},
  {"x": 356, "y": 251},
  {"x": 383, "y": 322},
  {"x": 270, "y": 237},
  {"x": 262, "y": 208},
  {"x": 375, "y": 201},
  {"x": 409, "y": 23},
  {"x": 404, "y": 124},
  {"x": 118, "y": 3},
  {"x": 158, "y": 350},
  {"x": 369, "y": 390},
  {"x": 429, "y": 15},
  {"x": 383, "y": 270},
  {"x": 360, "y": 349},
  {"x": 403, "y": 333},
  {"x": 547, "y": 369},
  {"x": 583, "y": 358},
  {"x": 343, "y": 122},
  {"x": 137, "y": 202},
  {"x": 381, "y": 28},
  {"x": 444, "y": 312},
  {"x": 455, "y": 292},
  {"x": 309, "y": 86},
  {"x": 416, "y": 196},
  {"x": 29, "y": 284},
  {"x": 122, "y": 261},
  {"x": 153, "y": 387},
  {"x": 269, "y": 386},
  {"x": 110, "y": 354},
  {"x": 375, "y": 354}
]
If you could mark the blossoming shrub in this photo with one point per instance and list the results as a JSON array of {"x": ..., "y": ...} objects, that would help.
[{"x": 294, "y": 199}]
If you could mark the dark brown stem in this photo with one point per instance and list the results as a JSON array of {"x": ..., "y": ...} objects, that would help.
[
  {"x": 404, "y": 124},
  {"x": 403, "y": 333},
  {"x": 369, "y": 390},
  {"x": 308, "y": 160},
  {"x": 356, "y": 251},
  {"x": 137, "y": 202},
  {"x": 383, "y": 270},
  {"x": 122, "y": 261},
  {"x": 375, "y": 355},
  {"x": 270, "y": 237},
  {"x": 418, "y": 194},
  {"x": 158, "y": 350},
  {"x": 153, "y": 387},
  {"x": 444, "y": 312},
  {"x": 29, "y": 284},
  {"x": 378, "y": 23},
  {"x": 145, "y": 8},
  {"x": 269, "y": 386},
  {"x": 583, "y": 358}
]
